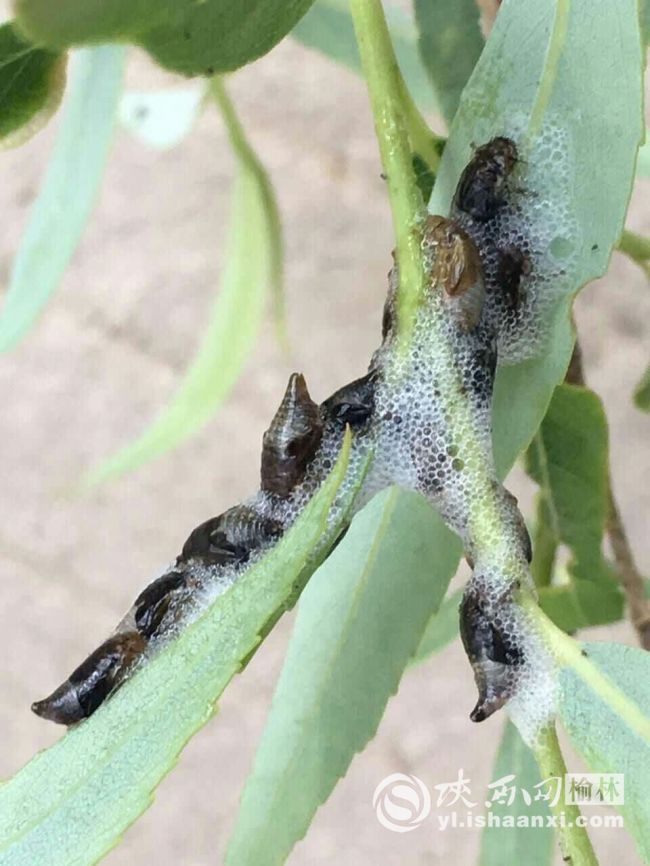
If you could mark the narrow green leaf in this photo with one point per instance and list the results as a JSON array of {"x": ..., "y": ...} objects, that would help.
[
  {"x": 163, "y": 118},
  {"x": 450, "y": 43},
  {"x": 100, "y": 776},
  {"x": 32, "y": 81},
  {"x": 568, "y": 459},
  {"x": 253, "y": 261},
  {"x": 441, "y": 629},
  {"x": 578, "y": 604},
  {"x": 605, "y": 708},
  {"x": 536, "y": 84},
  {"x": 642, "y": 392},
  {"x": 545, "y": 540},
  {"x": 68, "y": 191},
  {"x": 511, "y": 845},
  {"x": 328, "y": 28},
  {"x": 359, "y": 622}
]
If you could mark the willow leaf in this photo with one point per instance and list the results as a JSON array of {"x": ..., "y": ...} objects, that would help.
[
  {"x": 605, "y": 708},
  {"x": 441, "y": 629},
  {"x": 450, "y": 43},
  {"x": 528, "y": 73},
  {"x": 505, "y": 845},
  {"x": 100, "y": 776},
  {"x": 253, "y": 261},
  {"x": 195, "y": 37},
  {"x": 359, "y": 623},
  {"x": 69, "y": 189},
  {"x": 216, "y": 36},
  {"x": 76, "y": 22},
  {"x": 32, "y": 81},
  {"x": 568, "y": 458}
]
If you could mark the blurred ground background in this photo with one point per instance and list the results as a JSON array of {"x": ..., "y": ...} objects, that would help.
[{"x": 108, "y": 354}]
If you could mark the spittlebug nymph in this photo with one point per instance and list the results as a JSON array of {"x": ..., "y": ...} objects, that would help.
[
  {"x": 229, "y": 538},
  {"x": 456, "y": 269},
  {"x": 352, "y": 404},
  {"x": 493, "y": 658},
  {"x": 512, "y": 267},
  {"x": 480, "y": 190},
  {"x": 92, "y": 682},
  {"x": 292, "y": 440},
  {"x": 404, "y": 431},
  {"x": 153, "y": 606}
]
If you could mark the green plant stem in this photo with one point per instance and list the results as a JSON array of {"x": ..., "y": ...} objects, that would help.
[
  {"x": 574, "y": 841},
  {"x": 568, "y": 653},
  {"x": 423, "y": 140},
  {"x": 637, "y": 248},
  {"x": 390, "y": 114},
  {"x": 394, "y": 117}
]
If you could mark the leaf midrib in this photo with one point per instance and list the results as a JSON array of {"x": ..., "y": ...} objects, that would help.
[{"x": 361, "y": 584}]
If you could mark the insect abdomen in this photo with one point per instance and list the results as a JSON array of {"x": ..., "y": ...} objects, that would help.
[{"x": 92, "y": 682}]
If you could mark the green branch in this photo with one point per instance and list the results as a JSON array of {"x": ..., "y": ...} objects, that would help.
[
  {"x": 574, "y": 841},
  {"x": 399, "y": 127},
  {"x": 393, "y": 116},
  {"x": 423, "y": 139},
  {"x": 568, "y": 654}
]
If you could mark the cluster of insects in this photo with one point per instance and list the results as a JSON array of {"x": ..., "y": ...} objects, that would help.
[{"x": 400, "y": 421}]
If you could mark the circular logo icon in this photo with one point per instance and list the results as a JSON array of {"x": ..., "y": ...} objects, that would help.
[{"x": 401, "y": 802}]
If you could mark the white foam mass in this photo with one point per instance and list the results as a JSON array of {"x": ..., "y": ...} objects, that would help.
[
  {"x": 430, "y": 426},
  {"x": 537, "y": 219}
]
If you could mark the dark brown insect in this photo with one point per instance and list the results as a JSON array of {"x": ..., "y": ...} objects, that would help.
[
  {"x": 456, "y": 269},
  {"x": 493, "y": 657},
  {"x": 292, "y": 440},
  {"x": 230, "y": 537},
  {"x": 480, "y": 190},
  {"x": 93, "y": 681},
  {"x": 154, "y": 602},
  {"x": 353, "y": 404},
  {"x": 513, "y": 266}
]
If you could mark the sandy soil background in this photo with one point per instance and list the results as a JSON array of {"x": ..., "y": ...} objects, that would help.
[{"x": 108, "y": 354}]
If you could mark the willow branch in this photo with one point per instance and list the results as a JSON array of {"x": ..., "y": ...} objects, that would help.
[
  {"x": 392, "y": 117},
  {"x": 574, "y": 841}
]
